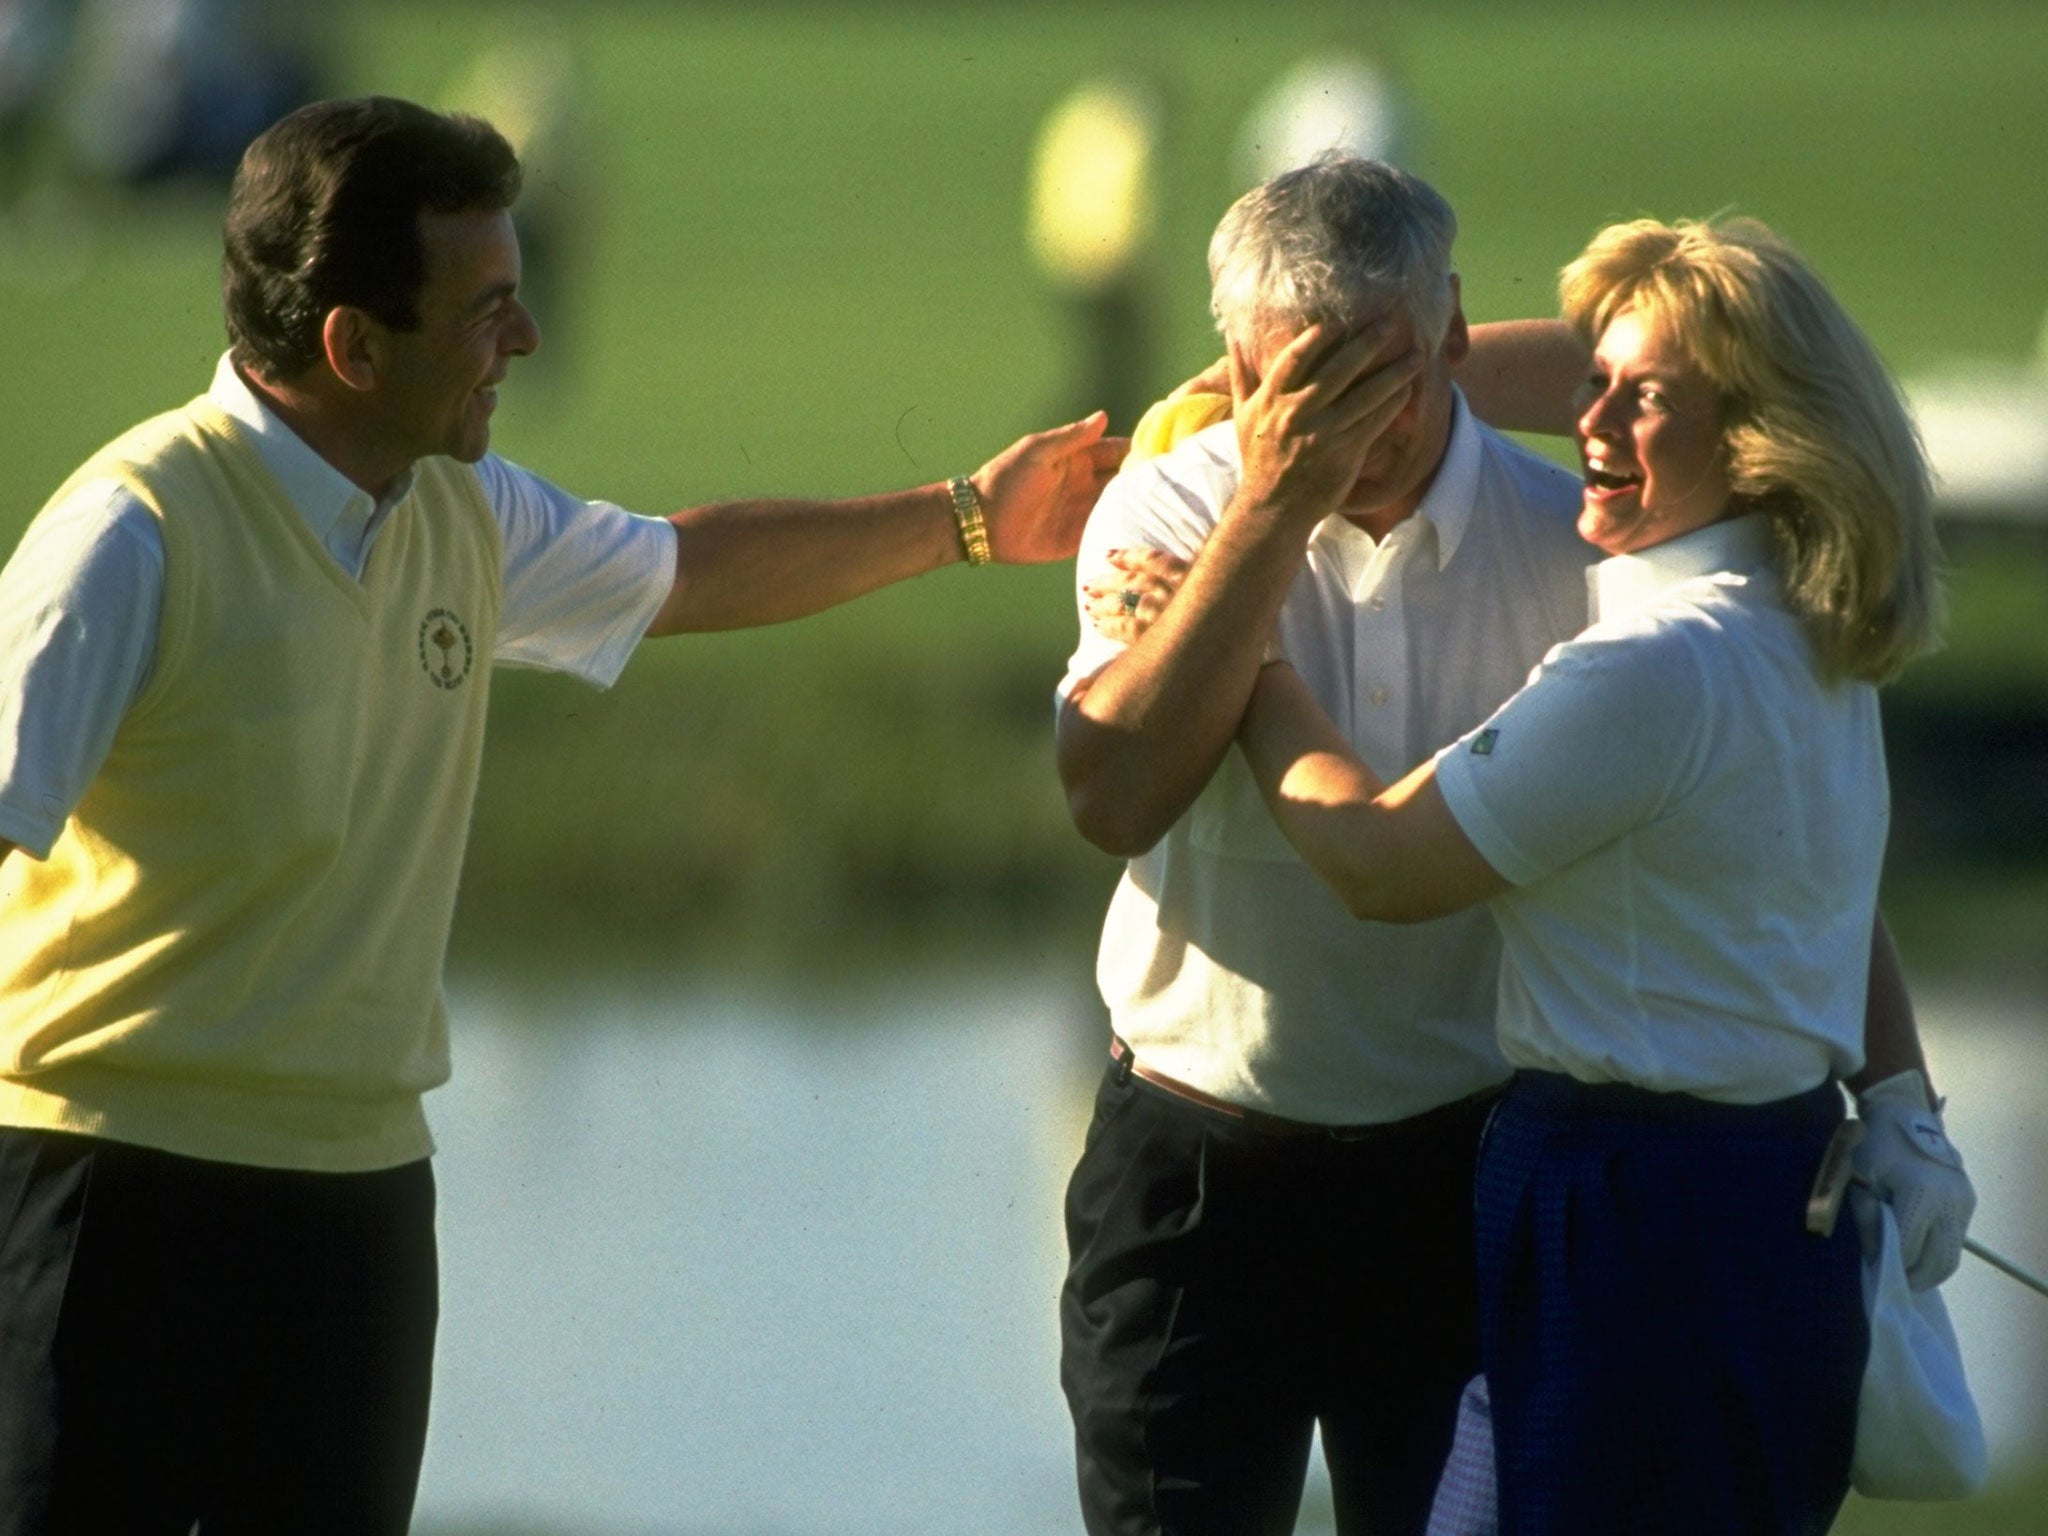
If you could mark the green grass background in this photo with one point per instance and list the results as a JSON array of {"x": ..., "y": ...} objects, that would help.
[{"x": 800, "y": 268}]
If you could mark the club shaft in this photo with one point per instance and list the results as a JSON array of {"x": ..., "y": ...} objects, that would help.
[{"x": 1999, "y": 1261}]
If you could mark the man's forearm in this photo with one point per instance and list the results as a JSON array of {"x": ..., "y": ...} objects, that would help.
[
  {"x": 1140, "y": 740},
  {"x": 1137, "y": 745},
  {"x": 740, "y": 563},
  {"x": 744, "y": 563}
]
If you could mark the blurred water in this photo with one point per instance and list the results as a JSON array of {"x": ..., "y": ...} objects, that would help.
[
  {"x": 1989, "y": 1057},
  {"x": 720, "y": 1264},
  {"x": 711, "y": 1265}
]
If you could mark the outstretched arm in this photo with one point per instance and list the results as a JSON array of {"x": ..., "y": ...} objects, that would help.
[
  {"x": 1524, "y": 375},
  {"x": 1139, "y": 739},
  {"x": 1519, "y": 376},
  {"x": 1391, "y": 853},
  {"x": 742, "y": 563}
]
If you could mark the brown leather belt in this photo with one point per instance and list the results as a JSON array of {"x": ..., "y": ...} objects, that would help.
[{"x": 1121, "y": 1053}]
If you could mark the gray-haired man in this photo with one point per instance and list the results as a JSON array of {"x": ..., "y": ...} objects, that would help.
[{"x": 1270, "y": 1225}]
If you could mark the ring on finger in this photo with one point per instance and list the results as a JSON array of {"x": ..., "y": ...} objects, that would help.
[{"x": 1128, "y": 600}]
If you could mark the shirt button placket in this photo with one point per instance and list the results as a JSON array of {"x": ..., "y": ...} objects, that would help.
[{"x": 1381, "y": 659}]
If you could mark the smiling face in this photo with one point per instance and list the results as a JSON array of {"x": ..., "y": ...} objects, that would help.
[
  {"x": 437, "y": 383},
  {"x": 1650, "y": 437}
]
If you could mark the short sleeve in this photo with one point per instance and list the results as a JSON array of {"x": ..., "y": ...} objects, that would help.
[
  {"x": 1601, "y": 740},
  {"x": 1170, "y": 504},
  {"x": 79, "y": 606},
  {"x": 582, "y": 579}
]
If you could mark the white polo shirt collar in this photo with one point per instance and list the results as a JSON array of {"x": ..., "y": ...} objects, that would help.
[
  {"x": 343, "y": 516},
  {"x": 1624, "y": 585}
]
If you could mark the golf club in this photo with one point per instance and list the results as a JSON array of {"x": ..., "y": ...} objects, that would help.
[{"x": 2000, "y": 1262}]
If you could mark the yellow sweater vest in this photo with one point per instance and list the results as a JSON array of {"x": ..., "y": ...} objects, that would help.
[{"x": 234, "y": 950}]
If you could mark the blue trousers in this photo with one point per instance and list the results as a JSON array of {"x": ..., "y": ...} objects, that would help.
[{"x": 1667, "y": 1346}]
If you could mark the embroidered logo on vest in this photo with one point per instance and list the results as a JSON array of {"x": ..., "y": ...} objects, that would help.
[{"x": 446, "y": 653}]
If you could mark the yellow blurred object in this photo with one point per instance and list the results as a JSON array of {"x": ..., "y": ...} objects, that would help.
[
  {"x": 1169, "y": 421},
  {"x": 1091, "y": 184},
  {"x": 525, "y": 85}
]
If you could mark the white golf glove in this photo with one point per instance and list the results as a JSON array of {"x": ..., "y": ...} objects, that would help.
[{"x": 1907, "y": 1160}]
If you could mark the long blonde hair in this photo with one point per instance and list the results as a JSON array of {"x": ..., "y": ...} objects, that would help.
[{"x": 1817, "y": 436}]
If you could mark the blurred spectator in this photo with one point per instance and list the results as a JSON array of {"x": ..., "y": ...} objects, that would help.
[
  {"x": 34, "y": 38},
  {"x": 177, "y": 88},
  {"x": 1092, "y": 217},
  {"x": 527, "y": 85},
  {"x": 1338, "y": 99}
]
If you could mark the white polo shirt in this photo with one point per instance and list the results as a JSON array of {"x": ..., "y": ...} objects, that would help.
[
  {"x": 1225, "y": 962},
  {"x": 1694, "y": 824},
  {"x": 80, "y": 598}
]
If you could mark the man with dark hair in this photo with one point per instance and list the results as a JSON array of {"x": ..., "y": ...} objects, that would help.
[
  {"x": 243, "y": 658},
  {"x": 326, "y": 214}
]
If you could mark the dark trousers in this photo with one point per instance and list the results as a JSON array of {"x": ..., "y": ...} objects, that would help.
[
  {"x": 186, "y": 1342},
  {"x": 1232, "y": 1288},
  {"x": 1668, "y": 1348}
]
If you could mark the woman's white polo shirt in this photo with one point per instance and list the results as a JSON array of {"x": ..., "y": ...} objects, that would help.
[{"x": 1694, "y": 823}]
